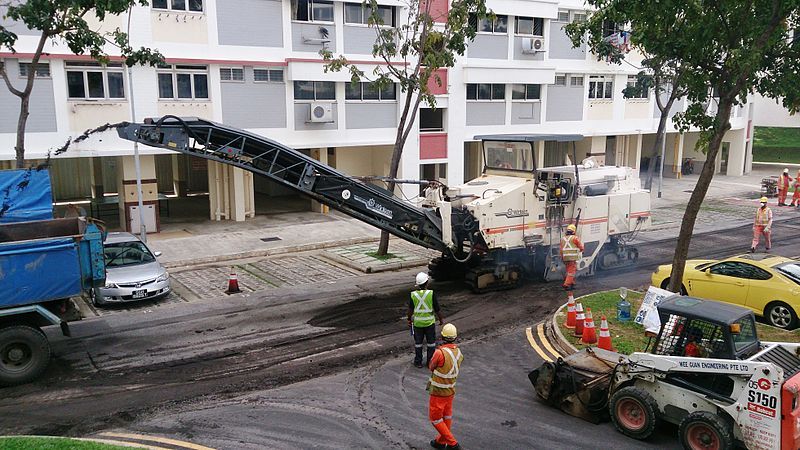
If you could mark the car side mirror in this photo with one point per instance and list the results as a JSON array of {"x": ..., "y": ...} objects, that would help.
[
  {"x": 708, "y": 272},
  {"x": 157, "y": 254}
]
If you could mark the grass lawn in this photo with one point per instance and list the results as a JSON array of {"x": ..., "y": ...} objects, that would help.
[
  {"x": 35, "y": 443},
  {"x": 774, "y": 144},
  {"x": 628, "y": 337}
]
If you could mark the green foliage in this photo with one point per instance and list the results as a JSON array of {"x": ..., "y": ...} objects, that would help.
[
  {"x": 54, "y": 443},
  {"x": 413, "y": 51},
  {"x": 64, "y": 21},
  {"x": 776, "y": 137}
]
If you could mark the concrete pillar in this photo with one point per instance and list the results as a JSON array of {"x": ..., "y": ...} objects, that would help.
[
  {"x": 598, "y": 149},
  {"x": 678, "y": 161},
  {"x": 231, "y": 192},
  {"x": 539, "y": 149},
  {"x": 128, "y": 196},
  {"x": 738, "y": 152},
  {"x": 179, "y": 184},
  {"x": 637, "y": 154},
  {"x": 98, "y": 191}
]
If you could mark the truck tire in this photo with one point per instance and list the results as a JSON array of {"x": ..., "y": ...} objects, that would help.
[
  {"x": 702, "y": 430},
  {"x": 24, "y": 354},
  {"x": 634, "y": 412}
]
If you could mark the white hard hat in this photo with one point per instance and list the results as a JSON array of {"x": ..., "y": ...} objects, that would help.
[
  {"x": 785, "y": 170},
  {"x": 422, "y": 278},
  {"x": 449, "y": 331}
]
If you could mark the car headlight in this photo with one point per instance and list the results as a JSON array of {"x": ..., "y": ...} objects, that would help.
[
  {"x": 110, "y": 285},
  {"x": 163, "y": 277}
]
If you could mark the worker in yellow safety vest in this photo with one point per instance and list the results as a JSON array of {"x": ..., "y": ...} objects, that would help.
[
  {"x": 444, "y": 367},
  {"x": 423, "y": 310},
  {"x": 796, "y": 193},
  {"x": 762, "y": 225},
  {"x": 571, "y": 253},
  {"x": 783, "y": 187}
]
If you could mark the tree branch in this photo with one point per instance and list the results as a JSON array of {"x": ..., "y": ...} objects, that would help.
[{"x": 4, "y": 75}]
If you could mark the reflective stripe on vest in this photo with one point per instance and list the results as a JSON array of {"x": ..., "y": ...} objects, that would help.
[
  {"x": 423, "y": 308},
  {"x": 763, "y": 216},
  {"x": 443, "y": 379},
  {"x": 570, "y": 251}
]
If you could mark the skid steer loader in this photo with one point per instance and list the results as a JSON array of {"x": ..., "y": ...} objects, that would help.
[{"x": 735, "y": 390}]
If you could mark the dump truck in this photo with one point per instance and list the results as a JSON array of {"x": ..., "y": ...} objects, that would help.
[
  {"x": 493, "y": 231},
  {"x": 43, "y": 262},
  {"x": 736, "y": 390}
]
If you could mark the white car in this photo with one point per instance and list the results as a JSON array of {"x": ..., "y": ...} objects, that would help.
[{"x": 132, "y": 272}]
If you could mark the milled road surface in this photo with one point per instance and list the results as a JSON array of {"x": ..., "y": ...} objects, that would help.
[{"x": 324, "y": 365}]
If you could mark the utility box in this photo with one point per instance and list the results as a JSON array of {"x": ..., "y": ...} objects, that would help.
[{"x": 149, "y": 216}]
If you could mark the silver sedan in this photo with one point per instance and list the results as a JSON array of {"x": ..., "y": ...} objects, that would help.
[{"x": 132, "y": 272}]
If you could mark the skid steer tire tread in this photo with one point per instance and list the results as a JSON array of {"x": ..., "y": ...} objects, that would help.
[
  {"x": 710, "y": 420},
  {"x": 649, "y": 408}
]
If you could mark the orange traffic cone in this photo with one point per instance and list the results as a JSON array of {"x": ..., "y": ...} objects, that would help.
[
  {"x": 570, "y": 312},
  {"x": 604, "y": 341},
  {"x": 579, "y": 320},
  {"x": 589, "y": 335},
  {"x": 233, "y": 284}
]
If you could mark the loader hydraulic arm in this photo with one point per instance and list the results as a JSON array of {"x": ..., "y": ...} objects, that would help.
[{"x": 292, "y": 169}]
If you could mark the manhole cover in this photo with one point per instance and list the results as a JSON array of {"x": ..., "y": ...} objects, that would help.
[{"x": 271, "y": 239}]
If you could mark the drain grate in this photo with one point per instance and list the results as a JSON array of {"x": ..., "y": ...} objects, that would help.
[{"x": 271, "y": 239}]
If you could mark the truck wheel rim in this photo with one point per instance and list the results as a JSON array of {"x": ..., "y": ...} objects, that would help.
[
  {"x": 630, "y": 414},
  {"x": 15, "y": 357},
  {"x": 702, "y": 437},
  {"x": 780, "y": 316}
]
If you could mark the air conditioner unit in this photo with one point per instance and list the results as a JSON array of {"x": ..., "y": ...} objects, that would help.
[
  {"x": 321, "y": 112},
  {"x": 532, "y": 45}
]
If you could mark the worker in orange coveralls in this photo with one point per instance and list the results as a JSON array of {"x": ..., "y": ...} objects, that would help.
[
  {"x": 796, "y": 193},
  {"x": 571, "y": 253},
  {"x": 444, "y": 366},
  {"x": 783, "y": 187},
  {"x": 762, "y": 225}
]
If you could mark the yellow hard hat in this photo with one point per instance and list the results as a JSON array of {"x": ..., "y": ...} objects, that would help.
[
  {"x": 764, "y": 200},
  {"x": 449, "y": 331},
  {"x": 572, "y": 228}
]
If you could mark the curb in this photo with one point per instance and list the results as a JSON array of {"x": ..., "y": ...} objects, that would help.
[
  {"x": 377, "y": 268},
  {"x": 183, "y": 263},
  {"x": 562, "y": 341}
]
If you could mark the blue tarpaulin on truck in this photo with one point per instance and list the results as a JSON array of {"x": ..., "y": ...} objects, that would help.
[
  {"x": 25, "y": 195},
  {"x": 38, "y": 271}
]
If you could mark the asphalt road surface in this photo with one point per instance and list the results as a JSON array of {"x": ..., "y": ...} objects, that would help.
[{"x": 326, "y": 365}]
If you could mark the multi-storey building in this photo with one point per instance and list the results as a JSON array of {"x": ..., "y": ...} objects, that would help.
[{"x": 255, "y": 64}]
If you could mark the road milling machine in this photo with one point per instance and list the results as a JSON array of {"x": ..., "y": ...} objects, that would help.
[
  {"x": 734, "y": 389},
  {"x": 493, "y": 231}
]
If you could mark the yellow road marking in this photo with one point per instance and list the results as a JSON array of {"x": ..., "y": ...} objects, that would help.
[
  {"x": 545, "y": 342},
  {"x": 124, "y": 443},
  {"x": 163, "y": 440},
  {"x": 536, "y": 347}
]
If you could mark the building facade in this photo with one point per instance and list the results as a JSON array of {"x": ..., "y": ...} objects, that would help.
[{"x": 255, "y": 64}]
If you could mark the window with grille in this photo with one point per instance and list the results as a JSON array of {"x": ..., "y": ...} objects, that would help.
[
  {"x": 486, "y": 25},
  {"x": 601, "y": 87},
  {"x": 561, "y": 80},
  {"x": 370, "y": 91},
  {"x": 487, "y": 92},
  {"x": 268, "y": 75},
  {"x": 529, "y": 26},
  {"x": 182, "y": 82},
  {"x": 578, "y": 17},
  {"x": 94, "y": 81},
  {"x": 42, "y": 70},
  {"x": 576, "y": 81},
  {"x": 641, "y": 91},
  {"x": 683, "y": 336},
  {"x": 563, "y": 16},
  {"x": 179, "y": 5},
  {"x": 526, "y": 91},
  {"x": 358, "y": 13},
  {"x": 231, "y": 74},
  {"x": 314, "y": 90},
  {"x": 431, "y": 120}
]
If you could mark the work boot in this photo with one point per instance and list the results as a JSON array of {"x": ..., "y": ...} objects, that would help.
[
  {"x": 435, "y": 444},
  {"x": 752, "y": 249},
  {"x": 453, "y": 447},
  {"x": 418, "y": 365}
]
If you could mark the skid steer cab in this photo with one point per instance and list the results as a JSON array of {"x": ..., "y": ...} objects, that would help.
[{"x": 706, "y": 371}]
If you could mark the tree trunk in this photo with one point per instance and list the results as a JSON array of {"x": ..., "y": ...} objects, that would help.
[
  {"x": 661, "y": 134},
  {"x": 721, "y": 126},
  {"x": 383, "y": 247},
  {"x": 24, "y": 111}
]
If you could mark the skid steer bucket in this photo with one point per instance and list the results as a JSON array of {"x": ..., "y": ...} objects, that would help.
[{"x": 577, "y": 384}]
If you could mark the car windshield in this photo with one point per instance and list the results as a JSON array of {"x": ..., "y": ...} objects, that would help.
[
  {"x": 791, "y": 270},
  {"x": 746, "y": 335},
  {"x": 508, "y": 155},
  {"x": 127, "y": 254}
]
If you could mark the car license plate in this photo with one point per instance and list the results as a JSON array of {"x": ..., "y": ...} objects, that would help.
[{"x": 140, "y": 293}]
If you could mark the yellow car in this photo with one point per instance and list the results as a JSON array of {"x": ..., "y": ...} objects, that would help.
[{"x": 767, "y": 284}]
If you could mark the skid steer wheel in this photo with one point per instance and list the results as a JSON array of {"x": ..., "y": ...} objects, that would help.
[
  {"x": 24, "y": 354},
  {"x": 702, "y": 430},
  {"x": 633, "y": 412}
]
